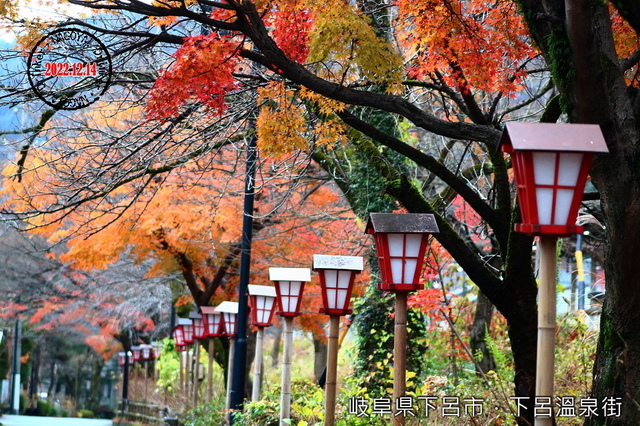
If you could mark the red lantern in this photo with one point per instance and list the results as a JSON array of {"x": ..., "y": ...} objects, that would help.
[
  {"x": 229, "y": 311},
  {"x": 289, "y": 288},
  {"x": 262, "y": 299},
  {"x": 337, "y": 275},
  {"x": 178, "y": 335},
  {"x": 198, "y": 325},
  {"x": 213, "y": 323},
  {"x": 551, "y": 164},
  {"x": 181, "y": 348},
  {"x": 187, "y": 329},
  {"x": 137, "y": 353},
  {"x": 146, "y": 352},
  {"x": 157, "y": 349},
  {"x": 401, "y": 240},
  {"x": 122, "y": 358}
]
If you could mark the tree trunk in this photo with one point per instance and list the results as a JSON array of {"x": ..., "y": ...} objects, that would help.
[
  {"x": 275, "y": 349},
  {"x": 478, "y": 334},
  {"x": 319, "y": 357}
]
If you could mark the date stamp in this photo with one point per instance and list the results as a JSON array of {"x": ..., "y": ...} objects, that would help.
[{"x": 69, "y": 69}]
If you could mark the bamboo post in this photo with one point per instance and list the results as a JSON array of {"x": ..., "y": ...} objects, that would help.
[
  {"x": 134, "y": 382},
  {"x": 181, "y": 372},
  {"x": 399, "y": 353},
  {"x": 196, "y": 371},
  {"x": 210, "y": 371},
  {"x": 232, "y": 344},
  {"x": 146, "y": 378},
  {"x": 546, "y": 323},
  {"x": 287, "y": 357},
  {"x": 332, "y": 367},
  {"x": 187, "y": 376},
  {"x": 257, "y": 366}
]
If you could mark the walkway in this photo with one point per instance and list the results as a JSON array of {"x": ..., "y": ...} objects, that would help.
[{"x": 7, "y": 420}]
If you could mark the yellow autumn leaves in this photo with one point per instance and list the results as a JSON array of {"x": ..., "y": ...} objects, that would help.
[{"x": 344, "y": 49}]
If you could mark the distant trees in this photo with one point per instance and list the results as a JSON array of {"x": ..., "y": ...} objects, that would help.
[{"x": 402, "y": 103}]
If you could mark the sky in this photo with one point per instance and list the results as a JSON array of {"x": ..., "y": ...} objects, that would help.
[{"x": 31, "y": 8}]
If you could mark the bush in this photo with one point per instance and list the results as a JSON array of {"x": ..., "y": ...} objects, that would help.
[
  {"x": 86, "y": 414},
  {"x": 104, "y": 413},
  {"x": 45, "y": 408},
  {"x": 307, "y": 406}
]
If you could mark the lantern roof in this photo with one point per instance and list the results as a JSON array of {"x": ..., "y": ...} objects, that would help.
[
  {"x": 261, "y": 290},
  {"x": 206, "y": 310},
  {"x": 290, "y": 274},
  {"x": 184, "y": 321},
  {"x": 228, "y": 307},
  {"x": 552, "y": 137},
  {"x": 194, "y": 315},
  {"x": 402, "y": 223},
  {"x": 349, "y": 263}
]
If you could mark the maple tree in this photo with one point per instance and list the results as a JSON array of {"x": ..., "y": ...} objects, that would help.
[
  {"x": 187, "y": 222},
  {"x": 408, "y": 105}
]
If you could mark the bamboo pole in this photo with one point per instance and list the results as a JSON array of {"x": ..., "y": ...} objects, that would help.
[
  {"x": 546, "y": 324},
  {"x": 210, "y": 371},
  {"x": 257, "y": 366},
  {"x": 196, "y": 371},
  {"x": 181, "y": 372},
  {"x": 287, "y": 357},
  {"x": 187, "y": 377},
  {"x": 232, "y": 345},
  {"x": 332, "y": 367},
  {"x": 399, "y": 353},
  {"x": 146, "y": 379}
]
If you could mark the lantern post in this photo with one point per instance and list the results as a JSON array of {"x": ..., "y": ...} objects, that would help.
[
  {"x": 337, "y": 276},
  {"x": 136, "y": 356},
  {"x": 289, "y": 289},
  {"x": 145, "y": 356},
  {"x": 124, "y": 361},
  {"x": 401, "y": 241},
  {"x": 181, "y": 346},
  {"x": 213, "y": 327},
  {"x": 157, "y": 351},
  {"x": 198, "y": 334},
  {"x": 551, "y": 164},
  {"x": 229, "y": 311},
  {"x": 262, "y": 300},
  {"x": 187, "y": 338}
]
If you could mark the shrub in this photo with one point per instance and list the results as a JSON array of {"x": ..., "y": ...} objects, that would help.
[
  {"x": 104, "y": 413},
  {"x": 86, "y": 414}
]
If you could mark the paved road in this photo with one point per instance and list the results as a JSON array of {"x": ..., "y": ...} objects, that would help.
[{"x": 7, "y": 420}]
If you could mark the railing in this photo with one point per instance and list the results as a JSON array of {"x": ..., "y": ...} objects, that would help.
[{"x": 142, "y": 412}]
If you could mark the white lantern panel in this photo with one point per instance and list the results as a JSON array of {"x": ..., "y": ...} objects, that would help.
[
  {"x": 341, "y": 299},
  {"x": 344, "y": 278},
  {"x": 569, "y": 168},
  {"x": 412, "y": 244},
  {"x": 330, "y": 278},
  {"x": 544, "y": 168},
  {"x": 331, "y": 298},
  {"x": 396, "y": 270},
  {"x": 409, "y": 270},
  {"x": 544, "y": 198},
  {"x": 289, "y": 293},
  {"x": 564, "y": 197},
  {"x": 264, "y": 305},
  {"x": 230, "y": 323},
  {"x": 396, "y": 245}
]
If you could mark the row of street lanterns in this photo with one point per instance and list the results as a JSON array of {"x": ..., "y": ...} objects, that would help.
[{"x": 550, "y": 162}]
